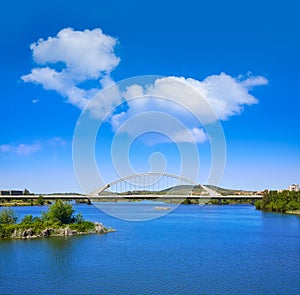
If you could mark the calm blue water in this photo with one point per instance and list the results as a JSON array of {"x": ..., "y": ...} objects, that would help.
[{"x": 193, "y": 250}]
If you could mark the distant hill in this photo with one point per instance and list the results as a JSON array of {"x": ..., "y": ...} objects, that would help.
[
  {"x": 184, "y": 189},
  {"x": 175, "y": 190},
  {"x": 226, "y": 191}
]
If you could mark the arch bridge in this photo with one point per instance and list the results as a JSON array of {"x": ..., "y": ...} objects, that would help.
[
  {"x": 152, "y": 183},
  {"x": 145, "y": 185}
]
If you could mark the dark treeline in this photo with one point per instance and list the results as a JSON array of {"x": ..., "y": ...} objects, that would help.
[{"x": 279, "y": 201}]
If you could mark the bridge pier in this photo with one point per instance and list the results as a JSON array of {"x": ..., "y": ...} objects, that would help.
[{"x": 219, "y": 201}]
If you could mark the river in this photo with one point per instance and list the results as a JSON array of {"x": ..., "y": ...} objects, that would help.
[{"x": 230, "y": 249}]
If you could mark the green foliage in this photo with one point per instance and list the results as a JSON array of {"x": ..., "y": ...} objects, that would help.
[
  {"x": 279, "y": 202},
  {"x": 189, "y": 201},
  {"x": 258, "y": 205},
  {"x": 59, "y": 216},
  {"x": 79, "y": 218},
  {"x": 60, "y": 212},
  {"x": 6, "y": 230},
  {"x": 41, "y": 200},
  {"x": 28, "y": 219},
  {"x": 84, "y": 226},
  {"x": 7, "y": 216}
]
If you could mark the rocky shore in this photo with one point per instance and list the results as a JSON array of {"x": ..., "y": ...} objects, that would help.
[{"x": 63, "y": 231}]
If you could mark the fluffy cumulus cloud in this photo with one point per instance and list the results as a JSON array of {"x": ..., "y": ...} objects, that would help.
[
  {"x": 72, "y": 58},
  {"x": 222, "y": 94},
  {"x": 78, "y": 64},
  {"x": 194, "y": 103}
]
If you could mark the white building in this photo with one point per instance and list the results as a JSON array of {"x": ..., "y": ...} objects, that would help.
[{"x": 294, "y": 187}]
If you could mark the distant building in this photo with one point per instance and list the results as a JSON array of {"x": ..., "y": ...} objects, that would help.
[
  {"x": 294, "y": 188},
  {"x": 16, "y": 193},
  {"x": 11, "y": 193}
]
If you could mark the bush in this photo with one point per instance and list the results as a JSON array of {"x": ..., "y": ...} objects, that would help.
[
  {"x": 6, "y": 230},
  {"x": 60, "y": 212},
  {"x": 8, "y": 216},
  {"x": 84, "y": 226},
  {"x": 79, "y": 218},
  {"x": 27, "y": 219},
  {"x": 41, "y": 200}
]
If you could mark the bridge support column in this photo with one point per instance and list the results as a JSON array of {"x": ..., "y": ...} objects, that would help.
[{"x": 219, "y": 201}]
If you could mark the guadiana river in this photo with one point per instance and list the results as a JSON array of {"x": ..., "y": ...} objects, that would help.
[{"x": 232, "y": 249}]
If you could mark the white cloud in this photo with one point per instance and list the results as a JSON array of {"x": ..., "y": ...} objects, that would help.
[
  {"x": 253, "y": 81},
  {"x": 71, "y": 58},
  {"x": 193, "y": 135},
  {"x": 24, "y": 149},
  {"x": 223, "y": 94},
  {"x": 57, "y": 141},
  {"x": 20, "y": 149},
  {"x": 217, "y": 97}
]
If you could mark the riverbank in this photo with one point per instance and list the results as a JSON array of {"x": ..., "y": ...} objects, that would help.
[
  {"x": 24, "y": 204},
  {"x": 185, "y": 201},
  {"x": 39, "y": 201},
  {"x": 293, "y": 212},
  {"x": 282, "y": 202},
  {"x": 32, "y": 231}
]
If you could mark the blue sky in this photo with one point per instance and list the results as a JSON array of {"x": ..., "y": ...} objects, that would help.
[{"x": 190, "y": 39}]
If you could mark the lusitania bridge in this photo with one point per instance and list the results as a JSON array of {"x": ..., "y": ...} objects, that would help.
[{"x": 149, "y": 185}]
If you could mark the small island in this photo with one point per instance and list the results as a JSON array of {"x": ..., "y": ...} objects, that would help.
[{"x": 59, "y": 220}]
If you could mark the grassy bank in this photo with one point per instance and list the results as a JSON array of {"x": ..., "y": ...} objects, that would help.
[{"x": 40, "y": 201}]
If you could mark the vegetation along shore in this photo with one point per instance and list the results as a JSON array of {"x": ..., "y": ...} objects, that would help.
[
  {"x": 284, "y": 202},
  {"x": 59, "y": 220}
]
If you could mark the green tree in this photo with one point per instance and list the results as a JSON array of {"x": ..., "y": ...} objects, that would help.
[
  {"x": 79, "y": 218},
  {"x": 41, "y": 200},
  {"x": 8, "y": 216},
  {"x": 27, "y": 219},
  {"x": 60, "y": 212},
  {"x": 279, "y": 201}
]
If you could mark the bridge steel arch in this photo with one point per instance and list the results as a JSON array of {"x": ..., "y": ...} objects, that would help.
[{"x": 148, "y": 174}]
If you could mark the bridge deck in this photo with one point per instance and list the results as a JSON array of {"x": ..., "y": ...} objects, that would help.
[{"x": 101, "y": 197}]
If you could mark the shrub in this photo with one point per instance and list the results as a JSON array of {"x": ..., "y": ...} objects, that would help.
[
  {"x": 6, "y": 230},
  {"x": 8, "y": 216},
  {"x": 27, "y": 219},
  {"x": 41, "y": 200},
  {"x": 60, "y": 212},
  {"x": 79, "y": 218},
  {"x": 84, "y": 226}
]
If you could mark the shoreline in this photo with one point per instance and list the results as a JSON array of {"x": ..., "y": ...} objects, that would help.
[
  {"x": 14, "y": 232},
  {"x": 293, "y": 212},
  {"x": 193, "y": 201}
]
